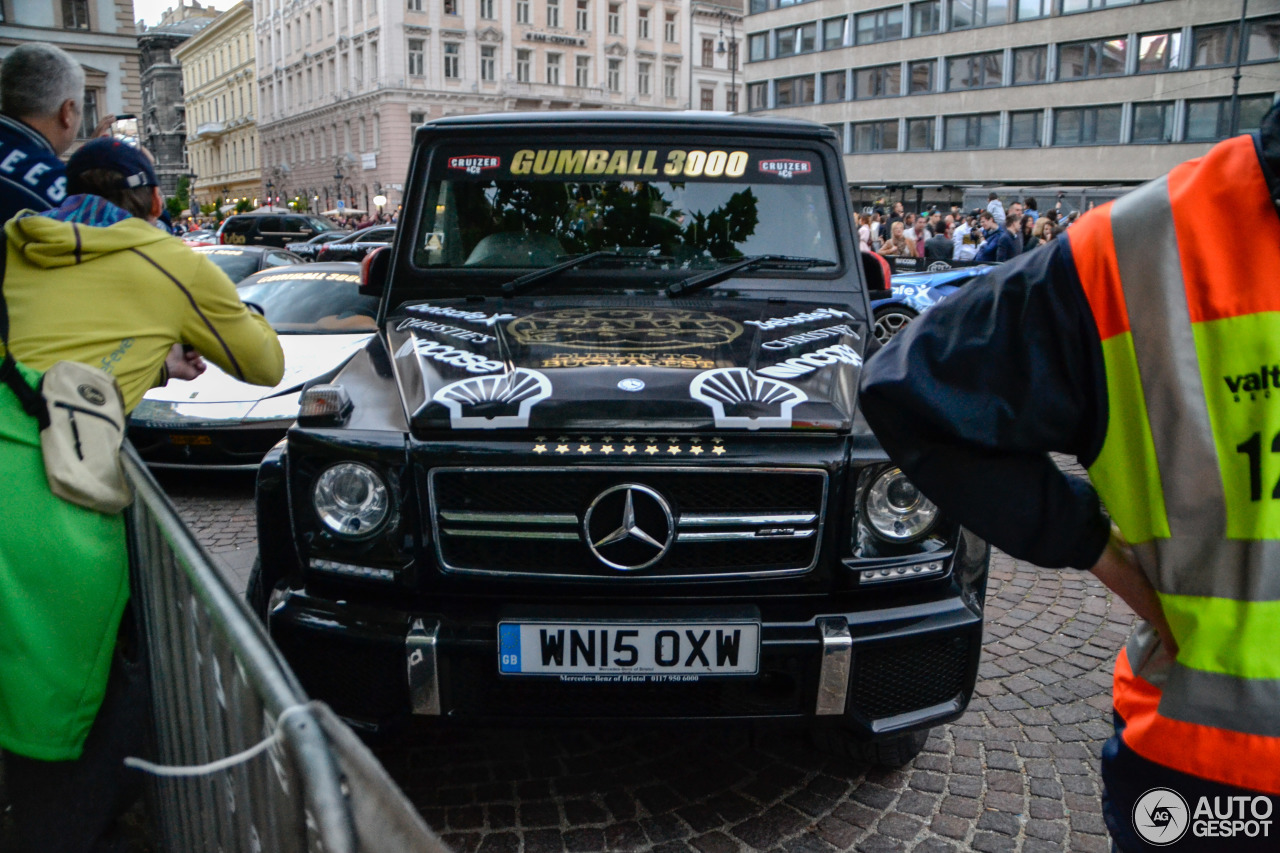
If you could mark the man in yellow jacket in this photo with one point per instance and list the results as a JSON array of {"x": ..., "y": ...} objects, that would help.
[{"x": 94, "y": 281}]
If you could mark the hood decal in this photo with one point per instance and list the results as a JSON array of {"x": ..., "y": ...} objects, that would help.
[
  {"x": 625, "y": 329},
  {"x": 797, "y": 319},
  {"x": 459, "y": 314},
  {"x": 468, "y": 361},
  {"x": 802, "y": 364},
  {"x": 485, "y": 402},
  {"x": 740, "y": 399},
  {"x": 445, "y": 329}
]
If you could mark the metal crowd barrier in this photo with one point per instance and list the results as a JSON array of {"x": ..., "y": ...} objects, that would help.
[{"x": 219, "y": 687}]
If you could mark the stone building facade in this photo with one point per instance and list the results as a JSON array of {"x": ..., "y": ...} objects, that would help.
[
  {"x": 162, "y": 126},
  {"x": 715, "y": 56},
  {"x": 1025, "y": 93},
  {"x": 219, "y": 76},
  {"x": 343, "y": 83},
  {"x": 100, "y": 34}
]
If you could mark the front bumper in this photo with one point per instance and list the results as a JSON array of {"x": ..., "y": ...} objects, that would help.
[{"x": 877, "y": 671}]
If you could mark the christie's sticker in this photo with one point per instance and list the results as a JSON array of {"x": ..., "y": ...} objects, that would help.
[
  {"x": 786, "y": 168},
  {"x": 474, "y": 164}
]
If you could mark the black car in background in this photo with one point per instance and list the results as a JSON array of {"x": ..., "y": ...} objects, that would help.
[
  {"x": 240, "y": 262},
  {"x": 309, "y": 249},
  {"x": 355, "y": 246},
  {"x": 271, "y": 229}
]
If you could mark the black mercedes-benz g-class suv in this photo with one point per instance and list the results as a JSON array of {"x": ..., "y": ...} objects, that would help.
[{"x": 603, "y": 459}]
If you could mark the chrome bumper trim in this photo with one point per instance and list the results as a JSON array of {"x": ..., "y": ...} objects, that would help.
[
  {"x": 837, "y": 657},
  {"x": 421, "y": 645}
]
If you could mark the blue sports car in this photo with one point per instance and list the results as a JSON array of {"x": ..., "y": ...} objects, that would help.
[{"x": 910, "y": 294}]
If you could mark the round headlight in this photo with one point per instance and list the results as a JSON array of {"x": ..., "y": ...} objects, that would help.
[
  {"x": 896, "y": 510},
  {"x": 352, "y": 500}
]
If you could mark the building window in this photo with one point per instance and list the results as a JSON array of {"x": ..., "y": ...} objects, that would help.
[
  {"x": 582, "y": 71},
  {"x": 415, "y": 121},
  {"x": 707, "y": 99},
  {"x": 642, "y": 23},
  {"x": 524, "y": 64},
  {"x": 708, "y": 52},
  {"x": 1262, "y": 40},
  {"x": 919, "y": 134},
  {"x": 417, "y": 57},
  {"x": 450, "y": 8},
  {"x": 881, "y": 81},
  {"x": 755, "y": 7},
  {"x": 757, "y": 96},
  {"x": 1209, "y": 120},
  {"x": 669, "y": 28},
  {"x": 582, "y": 20},
  {"x": 451, "y": 55},
  {"x": 838, "y": 130},
  {"x": 881, "y": 25},
  {"x": 1213, "y": 45},
  {"x": 1087, "y": 126},
  {"x": 553, "y": 69},
  {"x": 1152, "y": 123},
  {"x": 553, "y": 14},
  {"x": 1025, "y": 129},
  {"x": 522, "y": 11},
  {"x": 1159, "y": 51},
  {"x": 614, "y": 79},
  {"x": 792, "y": 40},
  {"x": 642, "y": 78},
  {"x": 1030, "y": 65},
  {"x": 792, "y": 91},
  {"x": 1069, "y": 6},
  {"x": 975, "y": 71},
  {"x": 75, "y": 16},
  {"x": 89, "y": 113},
  {"x": 486, "y": 9},
  {"x": 978, "y": 13},
  {"x": 921, "y": 75},
  {"x": 1097, "y": 58},
  {"x": 874, "y": 136},
  {"x": 833, "y": 86},
  {"x": 615, "y": 19},
  {"x": 980, "y": 130},
  {"x": 1029, "y": 10},
  {"x": 757, "y": 47},
  {"x": 669, "y": 80},
  {"x": 926, "y": 17},
  {"x": 488, "y": 62},
  {"x": 833, "y": 32}
]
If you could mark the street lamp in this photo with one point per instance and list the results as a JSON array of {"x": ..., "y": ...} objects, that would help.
[
  {"x": 733, "y": 56},
  {"x": 379, "y": 200},
  {"x": 270, "y": 186}
]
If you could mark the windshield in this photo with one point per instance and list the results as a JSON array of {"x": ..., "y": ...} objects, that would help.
[
  {"x": 312, "y": 302},
  {"x": 509, "y": 208},
  {"x": 237, "y": 265}
]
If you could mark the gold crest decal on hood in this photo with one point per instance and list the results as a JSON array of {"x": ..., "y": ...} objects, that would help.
[{"x": 624, "y": 329}]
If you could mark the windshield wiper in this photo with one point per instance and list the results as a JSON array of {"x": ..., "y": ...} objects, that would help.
[
  {"x": 702, "y": 280},
  {"x": 528, "y": 280}
]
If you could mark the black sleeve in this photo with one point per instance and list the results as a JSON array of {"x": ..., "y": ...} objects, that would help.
[{"x": 972, "y": 396}]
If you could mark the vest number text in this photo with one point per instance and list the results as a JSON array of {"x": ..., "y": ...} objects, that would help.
[{"x": 1252, "y": 447}]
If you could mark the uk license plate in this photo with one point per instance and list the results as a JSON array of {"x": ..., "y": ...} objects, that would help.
[{"x": 629, "y": 651}]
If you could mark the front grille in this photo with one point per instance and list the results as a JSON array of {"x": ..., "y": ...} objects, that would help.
[
  {"x": 723, "y": 522},
  {"x": 472, "y": 688},
  {"x": 895, "y": 679}
]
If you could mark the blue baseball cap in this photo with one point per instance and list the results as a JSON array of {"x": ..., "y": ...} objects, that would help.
[{"x": 112, "y": 155}]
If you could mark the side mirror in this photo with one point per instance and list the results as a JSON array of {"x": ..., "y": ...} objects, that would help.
[{"x": 374, "y": 270}]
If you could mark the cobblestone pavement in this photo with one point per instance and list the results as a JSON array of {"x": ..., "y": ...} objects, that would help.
[{"x": 1018, "y": 772}]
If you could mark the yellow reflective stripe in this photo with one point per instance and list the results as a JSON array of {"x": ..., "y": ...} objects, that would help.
[
  {"x": 1126, "y": 473},
  {"x": 1237, "y": 638},
  {"x": 1240, "y": 368}
]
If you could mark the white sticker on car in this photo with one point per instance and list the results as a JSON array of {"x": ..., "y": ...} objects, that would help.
[{"x": 740, "y": 399}]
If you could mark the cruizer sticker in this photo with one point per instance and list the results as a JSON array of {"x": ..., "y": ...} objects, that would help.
[
  {"x": 474, "y": 164},
  {"x": 740, "y": 399},
  {"x": 468, "y": 361},
  {"x": 811, "y": 361},
  {"x": 785, "y": 168},
  {"x": 486, "y": 402}
]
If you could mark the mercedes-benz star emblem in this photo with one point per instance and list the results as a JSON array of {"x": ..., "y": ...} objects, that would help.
[{"x": 629, "y": 527}]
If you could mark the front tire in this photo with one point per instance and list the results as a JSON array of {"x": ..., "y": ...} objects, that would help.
[
  {"x": 897, "y": 751},
  {"x": 888, "y": 320}
]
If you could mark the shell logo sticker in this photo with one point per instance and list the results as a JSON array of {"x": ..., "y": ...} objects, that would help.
[
  {"x": 474, "y": 164},
  {"x": 786, "y": 168}
]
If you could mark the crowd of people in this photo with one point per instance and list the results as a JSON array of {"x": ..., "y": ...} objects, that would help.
[{"x": 993, "y": 233}]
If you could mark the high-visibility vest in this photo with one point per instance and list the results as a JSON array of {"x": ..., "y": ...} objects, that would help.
[{"x": 1190, "y": 467}]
